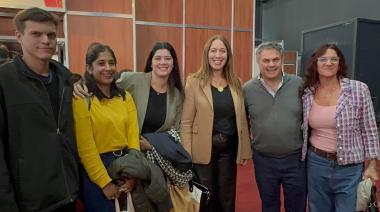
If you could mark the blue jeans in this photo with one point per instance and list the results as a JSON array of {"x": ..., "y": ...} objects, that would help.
[
  {"x": 272, "y": 173},
  {"x": 331, "y": 187},
  {"x": 93, "y": 196}
]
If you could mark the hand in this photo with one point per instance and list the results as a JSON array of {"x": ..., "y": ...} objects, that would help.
[
  {"x": 144, "y": 144},
  {"x": 111, "y": 191},
  {"x": 127, "y": 186},
  {"x": 80, "y": 90},
  {"x": 243, "y": 162},
  {"x": 371, "y": 173}
]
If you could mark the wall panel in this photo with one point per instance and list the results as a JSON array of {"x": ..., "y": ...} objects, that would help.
[
  {"x": 242, "y": 52},
  {"x": 167, "y": 11},
  {"x": 8, "y": 29},
  {"x": 6, "y": 26},
  {"x": 195, "y": 41},
  {"x": 209, "y": 12},
  {"x": 115, "y": 32},
  {"x": 243, "y": 17},
  {"x": 111, "y": 6},
  {"x": 149, "y": 35}
]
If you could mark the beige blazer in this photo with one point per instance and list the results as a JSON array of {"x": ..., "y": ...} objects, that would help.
[
  {"x": 138, "y": 85},
  {"x": 197, "y": 122}
]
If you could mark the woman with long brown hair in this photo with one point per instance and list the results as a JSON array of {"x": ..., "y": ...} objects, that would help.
[
  {"x": 339, "y": 131},
  {"x": 214, "y": 126}
]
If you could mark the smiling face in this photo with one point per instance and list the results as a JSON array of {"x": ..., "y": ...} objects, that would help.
[
  {"x": 162, "y": 63},
  {"x": 38, "y": 40},
  {"x": 270, "y": 64},
  {"x": 103, "y": 68},
  {"x": 217, "y": 55},
  {"x": 328, "y": 64}
]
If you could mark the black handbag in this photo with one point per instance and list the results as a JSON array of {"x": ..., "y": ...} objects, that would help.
[
  {"x": 372, "y": 206},
  {"x": 205, "y": 196}
]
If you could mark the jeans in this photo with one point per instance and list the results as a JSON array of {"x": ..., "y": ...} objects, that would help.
[
  {"x": 332, "y": 187},
  {"x": 93, "y": 196},
  {"x": 273, "y": 172}
]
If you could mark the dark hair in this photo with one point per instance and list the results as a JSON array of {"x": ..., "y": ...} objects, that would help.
[
  {"x": 175, "y": 76},
  {"x": 93, "y": 51},
  {"x": 92, "y": 54},
  {"x": 4, "y": 53},
  {"x": 33, "y": 14},
  {"x": 311, "y": 75}
]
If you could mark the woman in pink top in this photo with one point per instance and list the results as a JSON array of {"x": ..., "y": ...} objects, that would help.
[{"x": 339, "y": 131}]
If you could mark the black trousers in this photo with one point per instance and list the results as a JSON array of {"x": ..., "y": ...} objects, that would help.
[{"x": 219, "y": 176}]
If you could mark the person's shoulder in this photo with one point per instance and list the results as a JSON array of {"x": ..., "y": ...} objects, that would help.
[
  {"x": 132, "y": 77},
  {"x": 355, "y": 84},
  {"x": 8, "y": 69},
  {"x": 192, "y": 79},
  {"x": 294, "y": 78},
  {"x": 250, "y": 83},
  {"x": 59, "y": 66}
]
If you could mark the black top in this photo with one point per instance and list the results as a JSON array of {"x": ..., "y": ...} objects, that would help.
[
  {"x": 52, "y": 87},
  {"x": 224, "y": 111},
  {"x": 155, "y": 112},
  {"x": 28, "y": 132},
  {"x": 51, "y": 84}
]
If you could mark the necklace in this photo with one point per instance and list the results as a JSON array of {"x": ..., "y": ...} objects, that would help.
[{"x": 219, "y": 85}]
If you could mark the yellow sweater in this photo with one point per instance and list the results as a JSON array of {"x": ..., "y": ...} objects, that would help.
[{"x": 110, "y": 124}]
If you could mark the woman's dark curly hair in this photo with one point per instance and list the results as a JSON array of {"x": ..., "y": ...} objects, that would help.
[{"x": 311, "y": 75}]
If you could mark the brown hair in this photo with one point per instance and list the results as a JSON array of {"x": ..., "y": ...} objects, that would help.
[
  {"x": 33, "y": 14},
  {"x": 311, "y": 76},
  {"x": 204, "y": 72}
]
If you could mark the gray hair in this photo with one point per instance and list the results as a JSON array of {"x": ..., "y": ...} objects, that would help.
[{"x": 269, "y": 45}]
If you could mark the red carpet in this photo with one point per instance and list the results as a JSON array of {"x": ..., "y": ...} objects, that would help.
[{"x": 247, "y": 195}]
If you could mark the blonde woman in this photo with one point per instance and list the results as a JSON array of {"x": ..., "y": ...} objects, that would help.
[{"x": 214, "y": 126}]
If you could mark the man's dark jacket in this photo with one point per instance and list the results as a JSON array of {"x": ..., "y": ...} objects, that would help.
[{"x": 38, "y": 156}]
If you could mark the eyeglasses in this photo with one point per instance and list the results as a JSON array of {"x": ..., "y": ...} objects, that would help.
[{"x": 333, "y": 60}]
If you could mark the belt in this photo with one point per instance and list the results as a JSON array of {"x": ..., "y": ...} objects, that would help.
[
  {"x": 119, "y": 153},
  {"x": 322, "y": 153},
  {"x": 116, "y": 153}
]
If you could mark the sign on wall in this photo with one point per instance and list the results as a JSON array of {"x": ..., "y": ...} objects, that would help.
[{"x": 52, "y": 5}]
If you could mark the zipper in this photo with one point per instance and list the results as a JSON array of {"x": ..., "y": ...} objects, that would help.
[
  {"x": 59, "y": 111},
  {"x": 59, "y": 134},
  {"x": 58, "y": 131}
]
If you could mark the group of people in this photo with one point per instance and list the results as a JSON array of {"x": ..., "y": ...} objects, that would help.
[{"x": 309, "y": 137}]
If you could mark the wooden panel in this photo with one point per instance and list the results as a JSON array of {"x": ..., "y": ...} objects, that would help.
[
  {"x": 243, "y": 49},
  {"x": 6, "y": 26},
  {"x": 167, "y": 11},
  {"x": 290, "y": 56},
  {"x": 209, "y": 12},
  {"x": 243, "y": 14},
  {"x": 82, "y": 33},
  {"x": 8, "y": 29},
  {"x": 195, "y": 41},
  {"x": 289, "y": 68},
  {"x": 112, "y": 6},
  {"x": 147, "y": 36}
]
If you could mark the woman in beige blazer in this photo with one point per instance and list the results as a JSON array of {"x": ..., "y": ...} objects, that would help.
[{"x": 214, "y": 126}]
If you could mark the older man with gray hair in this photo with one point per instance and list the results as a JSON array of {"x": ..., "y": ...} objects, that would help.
[{"x": 275, "y": 112}]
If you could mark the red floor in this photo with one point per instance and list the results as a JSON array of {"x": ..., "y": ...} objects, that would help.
[{"x": 247, "y": 195}]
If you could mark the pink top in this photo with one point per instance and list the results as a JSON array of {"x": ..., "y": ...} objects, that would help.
[{"x": 323, "y": 127}]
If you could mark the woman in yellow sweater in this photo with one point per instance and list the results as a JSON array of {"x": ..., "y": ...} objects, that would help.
[{"x": 106, "y": 125}]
